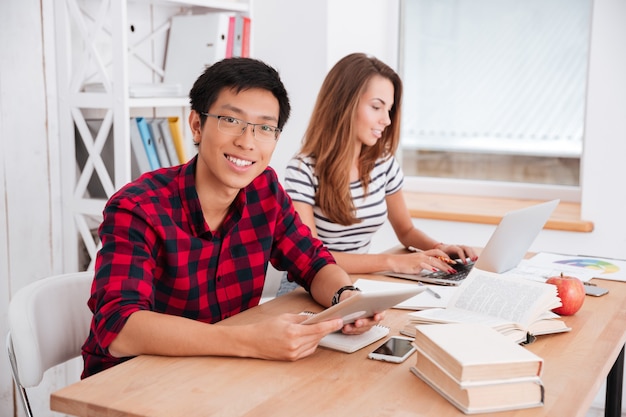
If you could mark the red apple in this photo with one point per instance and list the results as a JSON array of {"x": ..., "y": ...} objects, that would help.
[{"x": 571, "y": 291}]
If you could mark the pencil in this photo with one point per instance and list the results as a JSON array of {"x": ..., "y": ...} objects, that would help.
[{"x": 430, "y": 290}]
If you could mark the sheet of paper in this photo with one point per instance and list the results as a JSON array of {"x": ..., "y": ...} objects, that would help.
[
  {"x": 540, "y": 272},
  {"x": 421, "y": 301},
  {"x": 605, "y": 268}
]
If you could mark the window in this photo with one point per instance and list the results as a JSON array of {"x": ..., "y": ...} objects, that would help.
[{"x": 495, "y": 89}]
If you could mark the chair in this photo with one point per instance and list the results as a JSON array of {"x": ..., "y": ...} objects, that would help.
[{"x": 48, "y": 323}]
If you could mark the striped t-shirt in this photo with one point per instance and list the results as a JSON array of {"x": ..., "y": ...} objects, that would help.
[{"x": 301, "y": 184}]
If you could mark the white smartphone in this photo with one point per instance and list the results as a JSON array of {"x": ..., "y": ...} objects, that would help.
[
  {"x": 595, "y": 291},
  {"x": 396, "y": 349}
]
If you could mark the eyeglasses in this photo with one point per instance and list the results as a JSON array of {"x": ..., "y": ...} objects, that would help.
[{"x": 236, "y": 127}]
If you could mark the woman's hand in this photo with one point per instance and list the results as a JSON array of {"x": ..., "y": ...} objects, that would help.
[
  {"x": 461, "y": 252},
  {"x": 413, "y": 263}
]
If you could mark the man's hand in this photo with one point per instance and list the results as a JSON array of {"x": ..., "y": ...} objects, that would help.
[
  {"x": 363, "y": 325},
  {"x": 284, "y": 338}
]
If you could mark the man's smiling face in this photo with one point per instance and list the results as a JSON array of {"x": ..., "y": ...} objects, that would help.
[{"x": 229, "y": 163}]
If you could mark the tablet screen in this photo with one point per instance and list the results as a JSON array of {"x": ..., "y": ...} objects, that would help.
[{"x": 365, "y": 304}]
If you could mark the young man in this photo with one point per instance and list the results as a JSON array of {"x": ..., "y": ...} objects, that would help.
[{"x": 187, "y": 246}]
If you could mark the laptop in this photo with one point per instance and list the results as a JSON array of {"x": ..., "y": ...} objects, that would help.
[{"x": 505, "y": 249}]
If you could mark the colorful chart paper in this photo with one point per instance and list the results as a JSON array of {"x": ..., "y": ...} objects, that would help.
[{"x": 613, "y": 269}]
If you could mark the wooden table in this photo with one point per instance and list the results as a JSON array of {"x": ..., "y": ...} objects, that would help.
[{"x": 330, "y": 383}]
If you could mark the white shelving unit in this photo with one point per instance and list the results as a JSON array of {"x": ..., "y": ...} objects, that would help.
[{"x": 113, "y": 43}]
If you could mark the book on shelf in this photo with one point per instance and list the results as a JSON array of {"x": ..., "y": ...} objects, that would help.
[
  {"x": 159, "y": 142},
  {"x": 514, "y": 306},
  {"x": 176, "y": 129},
  {"x": 477, "y": 368},
  {"x": 194, "y": 42},
  {"x": 166, "y": 132},
  {"x": 140, "y": 157},
  {"x": 148, "y": 143},
  {"x": 349, "y": 343}
]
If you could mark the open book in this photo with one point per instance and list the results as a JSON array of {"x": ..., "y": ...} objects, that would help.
[{"x": 512, "y": 305}]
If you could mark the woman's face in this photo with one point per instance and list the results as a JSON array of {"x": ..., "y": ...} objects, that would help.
[{"x": 373, "y": 110}]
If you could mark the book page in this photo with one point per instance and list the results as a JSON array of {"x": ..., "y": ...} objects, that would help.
[
  {"x": 420, "y": 301},
  {"x": 453, "y": 315},
  {"x": 516, "y": 300}
]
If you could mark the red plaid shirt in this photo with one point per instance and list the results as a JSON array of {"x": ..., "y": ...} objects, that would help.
[{"x": 159, "y": 254}]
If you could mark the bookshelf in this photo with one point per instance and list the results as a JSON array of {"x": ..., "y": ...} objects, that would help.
[{"x": 113, "y": 44}]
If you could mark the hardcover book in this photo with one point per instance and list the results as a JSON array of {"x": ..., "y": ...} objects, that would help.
[
  {"x": 472, "y": 351},
  {"x": 477, "y": 368}
]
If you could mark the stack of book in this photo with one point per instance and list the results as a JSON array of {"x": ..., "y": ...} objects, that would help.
[{"x": 478, "y": 369}]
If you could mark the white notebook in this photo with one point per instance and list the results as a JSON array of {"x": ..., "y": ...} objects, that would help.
[{"x": 351, "y": 343}]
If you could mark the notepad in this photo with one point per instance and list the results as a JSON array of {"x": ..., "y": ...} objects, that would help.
[{"x": 351, "y": 343}]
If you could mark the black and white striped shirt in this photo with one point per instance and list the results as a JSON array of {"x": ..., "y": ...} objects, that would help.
[{"x": 387, "y": 178}]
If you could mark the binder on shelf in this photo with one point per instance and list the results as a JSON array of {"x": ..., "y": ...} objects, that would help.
[
  {"x": 238, "y": 36},
  {"x": 194, "y": 42},
  {"x": 166, "y": 132},
  {"x": 159, "y": 143},
  {"x": 245, "y": 37},
  {"x": 140, "y": 156},
  {"x": 148, "y": 143},
  {"x": 230, "y": 38},
  {"x": 177, "y": 135}
]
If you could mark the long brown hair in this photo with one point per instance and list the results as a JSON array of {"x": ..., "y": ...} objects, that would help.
[{"x": 331, "y": 135}]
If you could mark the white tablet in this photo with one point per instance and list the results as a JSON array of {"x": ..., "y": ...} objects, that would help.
[{"x": 365, "y": 304}]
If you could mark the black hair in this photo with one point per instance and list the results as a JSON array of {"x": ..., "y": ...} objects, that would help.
[{"x": 238, "y": 74}]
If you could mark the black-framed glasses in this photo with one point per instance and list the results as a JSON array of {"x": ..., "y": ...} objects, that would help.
[{"x": 235, "y": 127}]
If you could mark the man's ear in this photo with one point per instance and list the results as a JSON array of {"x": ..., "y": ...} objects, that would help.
[{"x": 196, "y": 126}]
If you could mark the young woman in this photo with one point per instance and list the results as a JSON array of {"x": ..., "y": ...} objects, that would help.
[{"x": 346, "y": 182}]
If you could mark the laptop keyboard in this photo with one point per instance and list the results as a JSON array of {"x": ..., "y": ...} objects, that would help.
[{"x": 461, "y": 268}]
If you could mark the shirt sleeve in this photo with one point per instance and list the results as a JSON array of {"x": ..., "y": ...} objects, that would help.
[
  {"x": 125, "y": 268},
  {"x": 300, "y": 181},
  {"x": 395, "y": 176}
]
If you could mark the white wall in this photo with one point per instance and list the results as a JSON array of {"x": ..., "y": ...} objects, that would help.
[
  {"x": 28, "y": 182},
  {"x": 295, "y": 47},
  {"x": 303, "y": 39}
]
